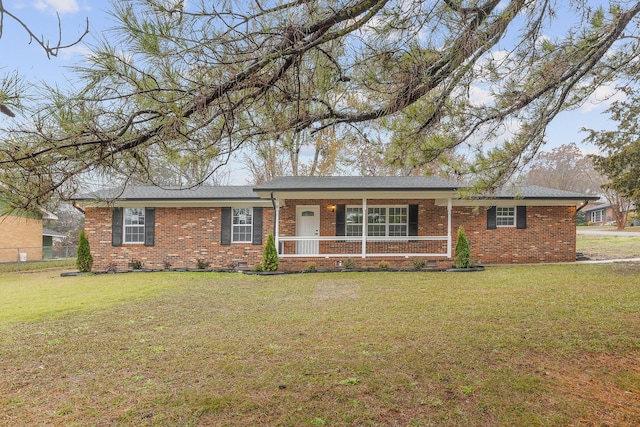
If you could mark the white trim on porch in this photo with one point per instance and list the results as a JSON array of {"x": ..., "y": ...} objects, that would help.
[{"x": 328, "y": 250}]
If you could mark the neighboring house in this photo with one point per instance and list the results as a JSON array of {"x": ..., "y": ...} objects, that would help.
[
  {"x": 49, "y": 237},
  {"x": 601, "y": 214},
  {"x": 325, "y": 220},
  {"x": 21, "y": 238}
]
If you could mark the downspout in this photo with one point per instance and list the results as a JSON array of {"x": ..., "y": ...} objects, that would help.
[
  {"x": 449, "y": 210},
  {"x": 75, "y": 205},
  {"x": 276, "y": 219},
  {"x": 273, "y": 203},
  {"x": 586, "y": 202}
]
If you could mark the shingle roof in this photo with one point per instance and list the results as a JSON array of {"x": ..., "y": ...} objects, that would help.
[
  {"x": 156, "y": 193},
  {"x": 324, "y": 183},
  {"x": 50, "y": 232},
  {"x": 372, "y": 183},
  {"x": 537, "y": 192}
]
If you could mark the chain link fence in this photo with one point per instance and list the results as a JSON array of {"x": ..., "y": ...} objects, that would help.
[{"x": 41, "y": 253}]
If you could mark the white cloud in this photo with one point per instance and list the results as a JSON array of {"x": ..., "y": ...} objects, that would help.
[
  {"x": 479, "y": 97},
  {"x": 73, "y": 51},
  {"x": 602, "y": 97},
  {"x": 59, "y": 6}
]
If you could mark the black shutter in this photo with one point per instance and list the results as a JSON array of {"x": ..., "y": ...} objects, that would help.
[
  {"x": 257, "y": 226},
  {"x": 225, "y": 227},
  {"x": 491, "y": 218},
  {"x": 116, "y": 227},
  {"x": 149, "y": 226},
  {"x": 521, "y": 217},
  {"x": 413, "y": 220},
  {"x": 340, "y": 219}
]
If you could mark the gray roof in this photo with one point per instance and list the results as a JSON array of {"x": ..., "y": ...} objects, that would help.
[
  {"x": 359, "y": 183},
  {"x": 50, "y": 232},
  {"x": 323, "y": 183},
  {"x": 230, "y": 192},
  {"x": 537, "y": 192}
]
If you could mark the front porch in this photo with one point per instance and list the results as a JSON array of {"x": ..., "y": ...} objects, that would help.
[
  {"x": 364, "y": 247},
  {"x": 381, "y": 229}
]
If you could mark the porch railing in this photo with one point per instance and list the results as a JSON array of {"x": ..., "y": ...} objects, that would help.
[{"x": 352, "y": 246}]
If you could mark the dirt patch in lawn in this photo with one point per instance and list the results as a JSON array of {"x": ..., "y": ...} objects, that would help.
[
  {"x": 608, "y": 383},
  {"x": 328, "y": 290}
]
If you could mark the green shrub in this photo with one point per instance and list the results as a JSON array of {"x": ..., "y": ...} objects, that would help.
[
  {"x": 84, "y": 261},
  {"x": 383, "y": 265},
  {"x": 202, "y": 264},
  {"x": 257, "y": 267},
  {"x": 349, "y": 264},
  {"x": 136, "y": 264},
  {"x": 462, "y": 251},
  {"x": 270, "y": 256},
  {"x": 310, "y": 267},
  {"x": 419, "y": 264}
]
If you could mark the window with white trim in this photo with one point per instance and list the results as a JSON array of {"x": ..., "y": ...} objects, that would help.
[
  {"x": 242, "y": 225},
  {"x": 353, "y": 221},
  {"x": 134, "y": 225},
  {"x": 505, "y": 217},
  {"x": 597, "y": 216},
  {"x": 381, "y": 221}
]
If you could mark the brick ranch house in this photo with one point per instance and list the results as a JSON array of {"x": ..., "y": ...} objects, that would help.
[{"x": 324, "y": 221}]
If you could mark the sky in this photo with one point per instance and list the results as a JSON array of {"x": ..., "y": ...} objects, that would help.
[{"x": 29, "y": 60}]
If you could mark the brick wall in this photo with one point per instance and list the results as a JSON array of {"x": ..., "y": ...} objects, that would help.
[
  {"x": 182, "y": 237},
  {"x": 20, "y": 235},
  {"x": 550, "y": 236}
]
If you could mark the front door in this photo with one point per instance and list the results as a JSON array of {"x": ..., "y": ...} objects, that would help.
[{"x": 307, "y": 225}]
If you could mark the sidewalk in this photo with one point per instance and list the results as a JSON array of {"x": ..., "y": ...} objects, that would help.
[{"x": 607, "y": 261}]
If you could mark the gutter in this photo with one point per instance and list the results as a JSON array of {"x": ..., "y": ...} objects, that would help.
[{"x": 273, "y": 203}]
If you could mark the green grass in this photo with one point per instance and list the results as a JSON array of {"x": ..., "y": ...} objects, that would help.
[
  {"x": 28, "y": 297},
  {"x": 608, "y": 247},
  {"x": 532, "y": 345},
  {"x": 13, "y": 267}
]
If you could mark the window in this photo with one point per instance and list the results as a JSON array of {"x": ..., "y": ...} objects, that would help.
[
  {"x": 354, "y": 222},
  {"x": 242, "y": 225},
  {"x": 381, "y": 221},
  {"x": 376, "y": 221},
  {"x": 505, "y": 217},
  {"x": 134, "y": 225},
  {"x": 397, "y": 221},
  {"x": 597, "y": 216}
]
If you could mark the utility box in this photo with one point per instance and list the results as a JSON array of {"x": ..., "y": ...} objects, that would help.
[{"x": 23, "y": 257}]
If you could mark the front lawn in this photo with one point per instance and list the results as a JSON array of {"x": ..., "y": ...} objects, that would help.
[{"x": 546, "y": 345}]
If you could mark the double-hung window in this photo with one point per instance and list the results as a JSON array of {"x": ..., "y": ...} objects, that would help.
[
  {"x": 353, "y": 221},
  {"x": 242, "y": 225},
  {"x": 134, "y": 225},
  {"x": 506, "y": 217},
  {"x": 381, "y": 221},
  {"x": 397, "y": 222},
  {"x": 597, "y": 216}
]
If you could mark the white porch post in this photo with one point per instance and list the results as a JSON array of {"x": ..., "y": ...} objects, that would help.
[
  {"x": 276, "y": 228},
  {"x": 364, "y": 228},
  {"x": 449, "y": 228}
]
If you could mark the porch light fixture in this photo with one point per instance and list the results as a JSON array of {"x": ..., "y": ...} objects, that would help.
[{"x": 332, "y": 208}]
